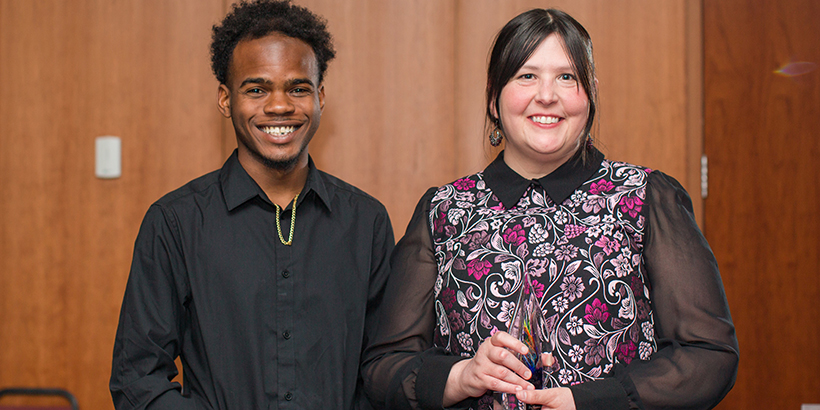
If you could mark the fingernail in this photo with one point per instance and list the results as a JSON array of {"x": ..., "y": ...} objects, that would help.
[
  {"x": 527, "y": 375},
  {"x": 521, "y": 395},
  {"x": 518, "y": 388}
]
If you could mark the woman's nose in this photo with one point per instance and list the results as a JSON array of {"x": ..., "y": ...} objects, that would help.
[{"x": 546, "y": 93}]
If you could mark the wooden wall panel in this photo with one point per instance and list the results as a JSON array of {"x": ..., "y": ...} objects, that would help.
[
  {"x": 761, "y": 135},
  {"x": 71, "y": 71},
  {"x": 388, "y": 122}
]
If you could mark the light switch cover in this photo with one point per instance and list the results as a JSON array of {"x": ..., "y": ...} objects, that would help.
[{"x": 108, "y": 157}]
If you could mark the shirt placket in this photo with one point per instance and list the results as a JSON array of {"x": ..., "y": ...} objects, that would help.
[{"x": 283, "y": 332}]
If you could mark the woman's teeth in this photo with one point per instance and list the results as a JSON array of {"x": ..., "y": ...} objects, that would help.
[{"x": 545, "y": 120}]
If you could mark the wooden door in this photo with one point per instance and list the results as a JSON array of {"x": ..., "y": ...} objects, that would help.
[{"x": 762, "y": 136}]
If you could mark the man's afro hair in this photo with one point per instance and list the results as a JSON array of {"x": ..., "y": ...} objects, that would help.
[{"x": 249, "y": 20}]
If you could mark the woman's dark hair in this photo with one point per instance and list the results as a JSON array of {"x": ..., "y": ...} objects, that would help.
[
  {"x": 258, "y": 18},
  {"x": 517, "y": 41}
]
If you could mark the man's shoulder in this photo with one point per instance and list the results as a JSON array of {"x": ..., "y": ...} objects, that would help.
[
  {"x": 348, "y": 192},
  {"x": 204, "y": 185}
]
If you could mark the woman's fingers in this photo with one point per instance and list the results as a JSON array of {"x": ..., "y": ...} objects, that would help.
[
  {"x": 509, "y": 363},
  {"x": 504, "y": 339},
  {"x": 506, "y": 349},
  {"x": 559, "y": 398},
  {"x": 495, "y": 366},
  {"x": 547, "y": 360}
]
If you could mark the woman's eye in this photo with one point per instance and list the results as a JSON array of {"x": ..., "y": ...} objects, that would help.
[
  {"x": 527, "y": 76},
  {"x": 567, "y": 77}
]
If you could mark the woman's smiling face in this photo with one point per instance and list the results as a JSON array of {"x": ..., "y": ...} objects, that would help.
[{"x": 543, "y": 111}]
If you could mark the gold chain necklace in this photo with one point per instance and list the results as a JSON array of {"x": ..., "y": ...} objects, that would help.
[{"x": 292, "y": 222}]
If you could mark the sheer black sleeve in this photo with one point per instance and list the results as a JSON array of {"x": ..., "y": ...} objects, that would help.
[
  {"x": 401, "y": 369},
  {"x": 696, "y": 362}
]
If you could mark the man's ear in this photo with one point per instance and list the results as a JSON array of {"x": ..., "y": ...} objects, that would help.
[
  {"x": 223, "y": 100},
  {"x": 321, "y": 97}
]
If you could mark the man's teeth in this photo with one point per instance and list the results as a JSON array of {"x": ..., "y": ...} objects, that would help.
[
  {"x": 278, "y": 130},
  {"x": 545, "y": 120}
]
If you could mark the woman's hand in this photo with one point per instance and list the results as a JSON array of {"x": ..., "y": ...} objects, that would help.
[
  {"x": 494, "y": 367},
  {"x": 559, "y": 398}
]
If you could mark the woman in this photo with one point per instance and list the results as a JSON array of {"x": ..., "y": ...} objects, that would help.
[{"x": 626, "y": 281}]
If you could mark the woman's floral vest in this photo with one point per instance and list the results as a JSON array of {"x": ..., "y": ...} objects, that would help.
[{"x": 584, "y": 255}]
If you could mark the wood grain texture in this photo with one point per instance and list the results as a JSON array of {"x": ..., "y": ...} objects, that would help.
[
  {"x": 387, "y": 126},
  {"x": 761, "y": 137},
  {"x": 72, "y": 71}
]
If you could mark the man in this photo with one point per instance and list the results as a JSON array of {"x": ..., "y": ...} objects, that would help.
[{"x": 258, "y": 276}]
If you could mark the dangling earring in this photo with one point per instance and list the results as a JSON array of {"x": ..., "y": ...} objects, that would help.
[{"x": 496, "y": 135}]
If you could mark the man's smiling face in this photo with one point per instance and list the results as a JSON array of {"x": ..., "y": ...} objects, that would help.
[{"x": 274, "y": 101}]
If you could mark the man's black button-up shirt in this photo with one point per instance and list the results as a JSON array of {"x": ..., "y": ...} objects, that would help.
[{"x": 257, "y": 324}]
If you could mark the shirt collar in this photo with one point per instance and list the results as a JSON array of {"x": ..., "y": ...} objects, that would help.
[
  {"x": 508, "y": 186},
  {"x": 238, "y": 187}
]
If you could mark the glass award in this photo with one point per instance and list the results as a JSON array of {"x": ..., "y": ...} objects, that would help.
[{"x": 529, "y": 326}]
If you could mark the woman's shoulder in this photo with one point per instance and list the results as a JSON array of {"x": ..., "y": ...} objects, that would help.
[
  {"x": 465, "y": 182},
  {"x": 653, "y": 178},
  {"x": 468, "y": 185},
  {"x": 617, "y": 176},
  {"x": 659, "y": 186},
  {"x": 623, "y": 166}
]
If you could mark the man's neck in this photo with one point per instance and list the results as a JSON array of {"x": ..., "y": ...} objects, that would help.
[{"x": 281, "y": 186}]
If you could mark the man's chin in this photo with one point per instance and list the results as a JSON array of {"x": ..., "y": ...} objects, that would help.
[
  {"x": 272, "y": 161},
  {"x": 286, "y": 165},
  {"x": 278, "y": 164}
]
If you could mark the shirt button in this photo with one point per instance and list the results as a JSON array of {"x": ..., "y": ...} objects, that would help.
[
  {"x": 285, "y": 273},
  {"x": 288, "y": 396},
  {"x": 286, "y": 334}
]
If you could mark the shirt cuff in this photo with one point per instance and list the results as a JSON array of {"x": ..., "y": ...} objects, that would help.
[
  {"x": 431, "y": 379},
  {"x": 600, "y": 394}
]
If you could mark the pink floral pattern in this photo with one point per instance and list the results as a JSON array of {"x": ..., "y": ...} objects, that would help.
[
  {"x": 514, "y": 235},
  {"x": 584, "y": 257},
  {"x": 464, "y": 184},
  {"x": 478, "y": 268},
  {"x": 601, "y": 187},
  {"x": 631, "y": 205},
  {"x": 596, "y": 312}
]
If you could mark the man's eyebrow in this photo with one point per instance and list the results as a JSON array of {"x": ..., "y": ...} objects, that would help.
[
  {"x": 289, "y": 83},
  {"x": 298, "y": 81},
  {"x": 257, "y": 80}
]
